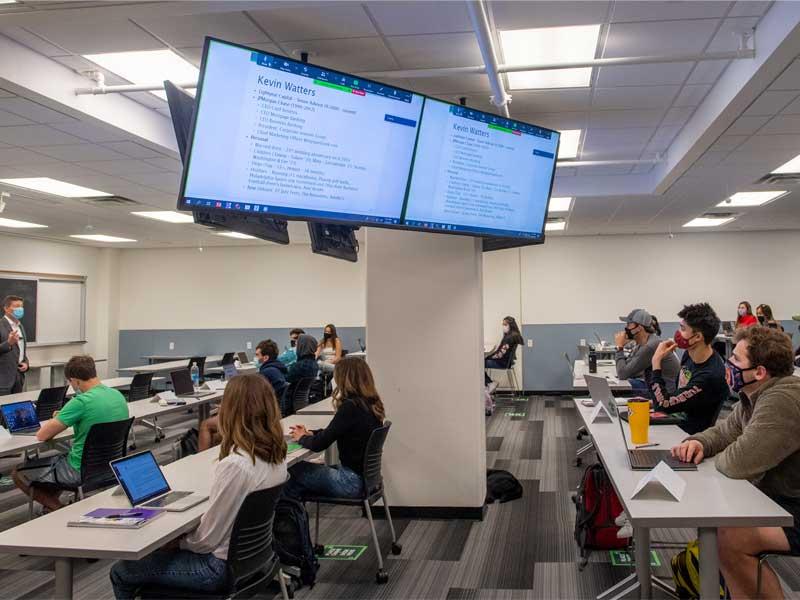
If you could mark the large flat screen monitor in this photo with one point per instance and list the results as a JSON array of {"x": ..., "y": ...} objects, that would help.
[{"x": 283, "y": 138}]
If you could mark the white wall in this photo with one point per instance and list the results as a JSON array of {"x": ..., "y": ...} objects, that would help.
[
  {"x": 238, "y": 287},
  {"x": 501, "y": 297}
]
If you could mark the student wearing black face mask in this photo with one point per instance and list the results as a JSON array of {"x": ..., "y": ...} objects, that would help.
[
  {"x": 504, "y": 352},
  {"x": 643, "y": 329},
  {"x": 701, "y": 388},
  {"x": 765, "y": 318},
  {"x": 329, "y": 350},
  {"x": 289, "y": 355}
]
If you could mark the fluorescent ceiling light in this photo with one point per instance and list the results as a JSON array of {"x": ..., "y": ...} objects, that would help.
[
  {"x": 708, "y": 221},
  {"x": 793, "y": 166},
  {"x": 568, "y": 147},
  {"x": 237, "y": 235},
  {"x": 147, "y": 66},
  {"x": 559, "y": 225},
  {"x": 752, "y": 198},
  {"x": 8, "y": 1},
  {"x": 170, "y": 216},
  {"x": 55, "y": 187},
  {"x": 19, "y": 224},
  {"x": 550, "y": 45},
  {"x": 558, "y": 205},
  {"x": 102, "y": 238}
]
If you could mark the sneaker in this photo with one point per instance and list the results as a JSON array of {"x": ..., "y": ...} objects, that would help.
[
  {"x": 492, "y": 387},
  {"x": 626, "y": 531},
  {"x": 6, "y": 482},
  {"x": 621, "y": 519}
]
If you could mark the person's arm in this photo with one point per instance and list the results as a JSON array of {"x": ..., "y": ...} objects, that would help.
[
  {"x": 716, "y": 439},
  {"x": 293, "y": 376},
  {"x": 338, "y": 356},
  {"x": 337, "y": 428},
  {"x": 7, "y": 344},
  {"x": 636, "y": 363},
  {"x": 682, "y": 398},
  {"x": 50, "y": 429},
  {"x": 319, "y": 350}
]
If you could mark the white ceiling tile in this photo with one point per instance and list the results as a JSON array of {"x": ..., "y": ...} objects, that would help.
[
  {"x": 707, "y": 71},
  {"x": 120, "y": 167},
  {"x": 80, "y": 152},
  {"x": 438, "y": 86},
  {"x": 409, "y": 18},
  {"x": 191, "y": 30},
  {"x": 34, "y": 111},
  {"x": 793, "y": 108},
  {"x": 749, "y": 8},
  {"x": 90, "y": 132},
  {"x": 94, "y": 38},
  {"x": 433, "y": 51},
  {"x": 728, "y": 36},
  {"x": 789, "y": 142},
  {"x": 665, "y": 10},
  {"x": 789, "y": 79},
  {"x": 195, "y": 54},
  {"x": 657, "y": 74},
  {"x": 6, "y": 94},
  {"x": 678, "y": 115},
  {"x": 655, "y": 96},
  {"x": 746, "y": 125},
  {"x": 625, "y": 118},
  {"x": 35, "y": 135},
  {"x": 32, "y": 41},
  {"x": 133, "y": 150},
  {"x": 21, "y": 157},
  {"x": 557, "y": 121},
  {"x": 326, "y": 21},
  {"x": 166, "y": 164},
  {"x": 642, "y": 169},
  {"x": 782, "y": 124},
  {"x": 667, "y": 37},
  {"x": 727, "y": 143},
  {"x": 57, "y": 169},
  {"x": 7, "y": 118},
  {"x": 509, "y": 15},
  {"x": 663, "y": 138},
  {"x": 770, "y": 103},
  {"x": 77, "y": 63},
  {"x": 533, "y": 101},
  {"x": 604, "y": 170},
  {"x": 692, "y": 95},
  {"x": 356, "y": 54}
]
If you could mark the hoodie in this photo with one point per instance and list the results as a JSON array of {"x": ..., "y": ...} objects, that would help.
[
  {"x": 306, "y": 365},
  {"x": 275, "y": 372}
]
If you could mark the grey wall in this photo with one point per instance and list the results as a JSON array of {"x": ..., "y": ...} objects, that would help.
[{"x": 134, "y": 344}]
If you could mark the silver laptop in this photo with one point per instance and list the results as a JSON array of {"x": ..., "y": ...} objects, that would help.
[
  {"x": 141, "y": 478},
  {"x": 184, "y": 386},
  {"x": 20, "y": 418}
]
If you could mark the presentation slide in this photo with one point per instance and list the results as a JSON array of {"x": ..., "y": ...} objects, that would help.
[
  {"x": 475, "y": 172},
  {"x": 280, "y": 137}
]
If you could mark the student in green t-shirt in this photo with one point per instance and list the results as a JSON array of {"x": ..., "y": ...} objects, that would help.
[{"x": 94, "y": 403}]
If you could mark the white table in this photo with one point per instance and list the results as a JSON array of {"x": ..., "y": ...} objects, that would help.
[
  {"x": 49, "y": 535},
  {"x": 711, "y": 500},
  {"x": 605, "y": 369},
  {"x": 323, "y": 407},
  {"x": 166, "y": 367},
  {"x": 33, "y": 395},
  {"x": 157, "y": 358}
]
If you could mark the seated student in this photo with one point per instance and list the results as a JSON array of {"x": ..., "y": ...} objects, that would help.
[
  {"x": 765, "y": 318},
  {"x": 643, "y": 329},
  {"x": 500, "y": 356},
  {"x": 94, "y": 403},
  {"x": 329, "y": 350},
  {"x": 289, "y": 355},
  {"x": 306, "y": 365},
  {"x": 359, "y": 411},
  {"x": 757, "y": 442},
  {"x": 252, "y": 457},
  {"x": 745, "y": 317},
  {"x": 701, "y": 388}
]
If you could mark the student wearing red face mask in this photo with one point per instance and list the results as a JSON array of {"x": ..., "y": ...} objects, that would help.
[{"x": 701, "y": 387}]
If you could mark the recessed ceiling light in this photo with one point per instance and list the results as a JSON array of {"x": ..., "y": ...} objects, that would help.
[
  {"x": 170, "y": 216},
  {"x": 550, "y": 45},
  {"x": 568, "y": 146},
  {"x": 793, "y": 166},
  {"x": 55, "y": 187},
  {"x": 752, "y": 198},
  {"x": 555, "y": 225},
  {"x": 147, "y": 66},
  {"x": 8, "y": 1},
  {"x": 102, "y": 238},
  {"x": 709, "y": 221},
  {"x": 13, "y": 223},
  {"x": 558, "y": 205},
  {"x": 237, "y": 235}
]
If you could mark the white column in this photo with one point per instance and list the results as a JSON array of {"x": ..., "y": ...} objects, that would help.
[{"x": 425, "y": 347}]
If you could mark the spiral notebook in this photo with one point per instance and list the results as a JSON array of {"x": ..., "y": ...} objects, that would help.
[{"x": 116, "y": 518}]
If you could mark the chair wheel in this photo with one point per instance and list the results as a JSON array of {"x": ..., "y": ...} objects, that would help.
[
  {"x": 132, "y": 447},
  {"x": 578, "y": 462},
  {"x": 319, "y": 549},
  {"x": 396, "y": 548},
  {"x": 382, "y": 577}
]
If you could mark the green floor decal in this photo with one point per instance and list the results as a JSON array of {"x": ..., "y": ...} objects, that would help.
[
  {"x": 620, "y": 558},
  {"x": 342, "y": 552}
]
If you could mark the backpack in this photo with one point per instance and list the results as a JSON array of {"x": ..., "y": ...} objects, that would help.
[
  {"x": 317, "y": 391},
  {"x": 597, "y": 505},
  {"x": 188, "y": 442},
  {"x": 502, "y": 486},
  {"x": 686, "y": 573},
  {"x": 292, "y": 540}
]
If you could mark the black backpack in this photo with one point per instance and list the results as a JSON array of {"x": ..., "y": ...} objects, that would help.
[
  {"x": 188, "y": 442},
  {"x": 502, "y": 486},
  {"x": 317, "y": 391},
  {"x": 291, "y": 539}
]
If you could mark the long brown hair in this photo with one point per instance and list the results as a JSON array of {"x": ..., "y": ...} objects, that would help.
[
  {"x": 249, "y": 420},
  {"x": 332, "y": 340},
  {"x": 354, "y": 382}
]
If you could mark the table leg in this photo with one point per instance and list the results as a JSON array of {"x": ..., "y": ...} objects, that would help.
[
  {"x": 63, "y": 579},
  {"x": 709, "y": 563},
  {"x": 641, "y": 538}
]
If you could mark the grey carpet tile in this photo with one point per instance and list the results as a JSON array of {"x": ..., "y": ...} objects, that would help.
[
  {"x": 493, "y": 444},
  {"x": 436, "y": 540},
  {"x": 532, "y": 443}
]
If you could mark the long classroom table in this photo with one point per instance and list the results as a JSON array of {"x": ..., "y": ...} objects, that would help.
[
  {"x": 166, "y": 367},
  {"x": 605, "y": 368},
  {"x": 33, "y": 395}
]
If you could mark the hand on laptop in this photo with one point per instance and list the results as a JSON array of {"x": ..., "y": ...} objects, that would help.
[{"x": 689, "y": 451}]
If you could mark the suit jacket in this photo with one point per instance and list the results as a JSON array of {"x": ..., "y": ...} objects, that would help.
[{"x": 9, "y": 355}]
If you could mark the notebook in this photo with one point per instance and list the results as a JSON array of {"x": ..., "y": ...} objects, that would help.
[{"x": 117, "y": 518}]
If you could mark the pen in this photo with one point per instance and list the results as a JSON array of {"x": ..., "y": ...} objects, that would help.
[
  {"x": 646, "y": 446},
  {"x": 125, "y": 515}
]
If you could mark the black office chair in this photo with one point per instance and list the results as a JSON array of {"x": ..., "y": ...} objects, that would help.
[
  {"x": 251, "y": 561},
  {"x": 104, "y": 442},
  {"x": 298, "y": 395},
  {"x": 511, "y": 376},
  {"x": 373, "y": 491},
  {"x": 140, "y": 389},
  {"x": 49, "y": 401}
]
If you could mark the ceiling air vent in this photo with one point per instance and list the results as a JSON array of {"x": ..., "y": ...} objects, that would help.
[
  {"x": 780, "y": 179},
  {"x": 110, "y": 201}
]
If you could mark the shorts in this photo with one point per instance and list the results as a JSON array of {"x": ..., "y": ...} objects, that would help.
[
  {"x": 54, "y": 470},
  {"x": 792, "y": 506}
]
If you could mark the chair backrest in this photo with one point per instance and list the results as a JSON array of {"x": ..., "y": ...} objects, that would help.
[
  {"x": 49, "y": 401},
  {"x": 511, "y": 356},
  {"x": 200, "y": 361},
  {"x": 104, "y": 442},
  {"x": 373, "y": 458},
  {"x": 140, "y": 387},
  {"x": 227, "y": 358},
  {"x": 300, "y": 393},
  {"x": 250, "y": 548}
]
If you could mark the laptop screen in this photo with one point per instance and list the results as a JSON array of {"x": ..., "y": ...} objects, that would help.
[
  {"x": 20, "y": 415},
  {"x": 600, "y": 392},
  {"x": 140, "y": 477},
  {"x": 243, "y": 358},
  {"x": 229, "y": 371},
  {"x": 182, "y": 382}
]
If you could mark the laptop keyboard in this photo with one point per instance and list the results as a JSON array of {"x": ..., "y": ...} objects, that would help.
[
  {"x": 170, "y": 498},
  {"x": 648, "y": 458}
]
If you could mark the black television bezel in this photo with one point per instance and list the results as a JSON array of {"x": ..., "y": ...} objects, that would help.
[{"x": 200, "y": 81}]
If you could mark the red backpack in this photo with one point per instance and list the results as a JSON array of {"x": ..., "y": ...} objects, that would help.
[{"x": 597, "y": 505}]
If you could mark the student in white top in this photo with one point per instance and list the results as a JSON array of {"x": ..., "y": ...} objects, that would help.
[
  {"x": 329, "y": 350},
  {"x": 252, "y": 456}
]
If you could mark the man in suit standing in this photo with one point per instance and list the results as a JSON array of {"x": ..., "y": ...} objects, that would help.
[{"x": 13, "y": 342}]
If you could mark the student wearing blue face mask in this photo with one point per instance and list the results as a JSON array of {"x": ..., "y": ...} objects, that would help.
[{"x": 13, "y": 346}]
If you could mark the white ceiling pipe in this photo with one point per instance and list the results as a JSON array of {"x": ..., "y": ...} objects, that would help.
[
  {"x": 480, "y": 24},
  {"x": 564, "y": 164},
  {"x": 123, "y": 89}
]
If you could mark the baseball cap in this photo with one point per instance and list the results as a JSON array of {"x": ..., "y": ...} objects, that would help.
[{"x": 638, "y": 315}]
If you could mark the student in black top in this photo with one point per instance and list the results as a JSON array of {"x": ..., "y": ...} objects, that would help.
[
  {"x": 701, "y": 387},
  {"x": 501, "y": 355},
  {"x": 306, "y": 364},
  {"x": 765, "y": 318},
  {"x": 359, "y": 411}
]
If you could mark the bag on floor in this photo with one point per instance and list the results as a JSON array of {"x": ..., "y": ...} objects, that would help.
[
  {"x": 502, "y": 486},
  {"x": 686, "y": 573},
  {"x": 291, "y": 539},
  {"x": 488, "y": 402},
  {"x": 597, "y": 505},
  {"x": 317, "y": 391},
  {"x": 188, "y": 442}
]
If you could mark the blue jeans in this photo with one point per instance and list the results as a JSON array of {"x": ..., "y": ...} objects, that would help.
[
  {"x": 174, "y": 568},
  {"x": 639, "y": 386},
  {"x": 492, "y": 363},
  {"x": 311, "y": 479}
]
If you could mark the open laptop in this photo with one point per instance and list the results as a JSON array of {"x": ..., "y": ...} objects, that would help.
[
  {"x": 243, "y": 358},
  {"x": 141, "y": 478},
  {"x": 727, "y": 327},
  {"x": 20, "y": 418},
  {"x": 601, "y": 392},
  {"x": 646, "y": 460},
  {"x": 229, "y": 371},
  {"x": 183, "y": 386}
]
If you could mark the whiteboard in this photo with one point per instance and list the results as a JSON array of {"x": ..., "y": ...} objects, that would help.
[{"x": 61, "y": 311}]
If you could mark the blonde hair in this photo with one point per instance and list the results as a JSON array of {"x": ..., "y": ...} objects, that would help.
[
  {"x": 249, "y": 420},
  {"x": 354, "y": 382}
]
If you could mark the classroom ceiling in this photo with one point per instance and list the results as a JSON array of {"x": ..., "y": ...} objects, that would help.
[{"x": 715, "y": 148}]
